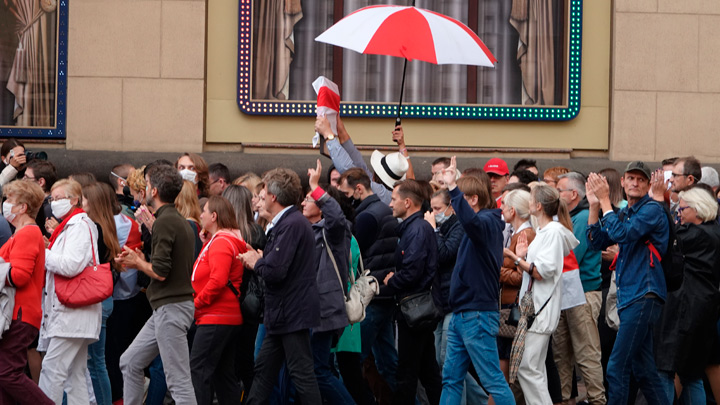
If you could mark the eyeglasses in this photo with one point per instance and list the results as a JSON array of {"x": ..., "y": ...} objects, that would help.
[
  {"x": 58, "y": 199},
  {"x": 560, "y": 190},
  {"x": 309, "y": 200},
  {"x": 678, "y": 175},
  {"x": 26, "y": 177},
  {"x": 681, "y": 209}
]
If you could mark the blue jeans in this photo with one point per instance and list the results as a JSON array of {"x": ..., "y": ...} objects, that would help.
[
  {"x": 96, "y": 360},
  {"x": 158, "y": 386},
  {"x": 332, "y": 390},
  {"x": 472, "y": 336},
  {"x": 633, "y": 354},
  {"x": 377, "y": 335},
  {"x": 474, "y": 394},
  {"x": 693, "y": 390}
]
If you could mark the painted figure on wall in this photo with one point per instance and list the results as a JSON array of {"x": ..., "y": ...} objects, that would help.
[
  {"x": 273, "y": 47},
  {"x": 28, "y": 47}
]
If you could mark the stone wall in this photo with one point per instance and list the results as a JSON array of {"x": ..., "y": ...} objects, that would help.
[
  {"x": 665, "y": 79},
  {"x": 136, "y": 75}
]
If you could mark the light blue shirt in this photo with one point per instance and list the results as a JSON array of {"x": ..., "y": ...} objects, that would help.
[{"x": 276, "y": 219}]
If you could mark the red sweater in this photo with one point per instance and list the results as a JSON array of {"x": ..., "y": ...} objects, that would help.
[
  {"x": 25, "y": 252},
  {"x": 215, "y": 303}
]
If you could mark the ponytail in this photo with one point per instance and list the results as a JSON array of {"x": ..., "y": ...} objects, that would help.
[{"x": 564, "y": 215}]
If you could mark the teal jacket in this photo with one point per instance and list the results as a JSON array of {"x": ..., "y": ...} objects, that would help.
[{"x": 589, "y": 260}]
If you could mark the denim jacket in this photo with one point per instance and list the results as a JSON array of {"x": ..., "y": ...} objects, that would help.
[{"x": 645, "y": 220}]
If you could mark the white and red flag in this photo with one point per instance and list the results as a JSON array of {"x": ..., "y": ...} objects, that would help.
[
  {"x": 328, "y": 103},
  {"x": 573, "y": 294}
]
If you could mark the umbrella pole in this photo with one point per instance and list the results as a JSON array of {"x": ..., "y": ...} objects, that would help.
[{"x": 402, "y": 88}]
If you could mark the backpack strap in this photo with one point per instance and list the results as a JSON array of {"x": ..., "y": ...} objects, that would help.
[{"x": 653, "y": 252}]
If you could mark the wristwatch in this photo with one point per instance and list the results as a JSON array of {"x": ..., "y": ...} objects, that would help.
[
  {"x": 331, "y": 137},
  {"x": 517, "y": 261}
]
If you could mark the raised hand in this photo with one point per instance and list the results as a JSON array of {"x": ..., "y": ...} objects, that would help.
[
  {"x": 590, "y": 195},
  {"x": 521, "y": 248},
  {"x": 314, "y": 176},
  {"x": 449, "y": 174},
  {"x": 658, "y": 186},
  {"x": 398, "y": 136},
  {"x": 430, "y": 218},
  {"x": 322, "y": 127}
]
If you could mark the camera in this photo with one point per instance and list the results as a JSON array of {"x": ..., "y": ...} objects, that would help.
[{"x": 40, "y": 155}]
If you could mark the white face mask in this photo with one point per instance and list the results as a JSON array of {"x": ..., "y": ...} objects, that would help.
[
  {"x": 189, "y": 175},
  {"x": 7, "y": 211},
  {"x": 60, "y": 208}
]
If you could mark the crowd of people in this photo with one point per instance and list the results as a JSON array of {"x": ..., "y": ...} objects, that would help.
[{"x": 488, "y": 286}]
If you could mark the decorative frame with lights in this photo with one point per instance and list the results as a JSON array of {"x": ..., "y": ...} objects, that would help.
[
  {"x": 443, "y": 111},
  {"x": 57, "y": 131}
]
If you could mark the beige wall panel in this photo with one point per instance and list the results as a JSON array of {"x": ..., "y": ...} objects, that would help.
[
  {"x": 596, "y": 62},
  {"x": 709, "y": 54},
  {"x": 646, "y": 6},
  {"x": 633, "y": 125},
  {"x": 226, "y": 124},
  {"x": 183, "y": 39},
  {"x": 114, "y": 38},
  {"x": 162, "y": 115},
  {"x": 222, "y": 32},
  {"x": 689, "y": 6},
  {"x": 94, "y": 113},
  {"x": 687, "y": 125},
  {"x": 656, "y": 52}
]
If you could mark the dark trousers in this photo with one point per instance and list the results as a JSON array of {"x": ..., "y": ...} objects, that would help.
[
  {"x": 15, "y": 386},
  {"x": 212, "y": 364},
  {"x": 245, "y": 355},
  {"x": 294, "y": 349},
  {"x": 416, "y": 359},
  {"x": 351, "y": 371},
  {"x": 125, "y": 322}
]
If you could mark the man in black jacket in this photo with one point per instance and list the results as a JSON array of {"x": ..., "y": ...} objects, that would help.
[
  {"x": 374, "y": 231},
  {"x": 292, "y": 305},
  {"x": 416, "y": 263}
]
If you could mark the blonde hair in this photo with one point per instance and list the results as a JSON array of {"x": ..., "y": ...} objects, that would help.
[
  {"x": 248, "y": 180},
  {"x": 552, "y": 204},
  {"x": 26, "y": 192},
  {"x": 136, "y": 180},
  {"x": 519, "y": 200},
  {"x": 702, "y": 202},
  {"x": 72, "y": 188},
  {"x": 187, "y": 202}
]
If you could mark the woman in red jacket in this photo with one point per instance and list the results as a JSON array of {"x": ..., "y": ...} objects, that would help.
[
  {"x": 217, "y": 310},
  {"x": 25, "y": 252}
]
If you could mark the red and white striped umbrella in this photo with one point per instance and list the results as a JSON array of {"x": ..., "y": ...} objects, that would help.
[{"x": 410, "y": 33}]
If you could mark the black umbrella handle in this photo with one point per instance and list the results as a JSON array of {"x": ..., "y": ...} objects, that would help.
[{"x": 402, "y": 89}]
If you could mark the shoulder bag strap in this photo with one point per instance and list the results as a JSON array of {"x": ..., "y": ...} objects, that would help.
[
  {"x": 332, "y": 258},
  {"x": 92, "y": 244}
]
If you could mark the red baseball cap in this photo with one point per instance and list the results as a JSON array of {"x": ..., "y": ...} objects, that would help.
[{"x": 497, "y": 166}]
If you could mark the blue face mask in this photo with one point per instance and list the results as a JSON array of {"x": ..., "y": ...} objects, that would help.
[
  {"x": 136, "y": 203},
  {"x": 441, "y": 218}
]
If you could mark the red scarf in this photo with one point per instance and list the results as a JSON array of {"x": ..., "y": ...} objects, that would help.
[{"x": 60, "y": 227}]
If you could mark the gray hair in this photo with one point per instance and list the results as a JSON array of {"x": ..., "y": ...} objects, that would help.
[
  {"x": 285, "y": 185},
  {"x": 576, "y": 181},
  {"x": 702, "y": 202},
  {"x": 710, "y": 177}
]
